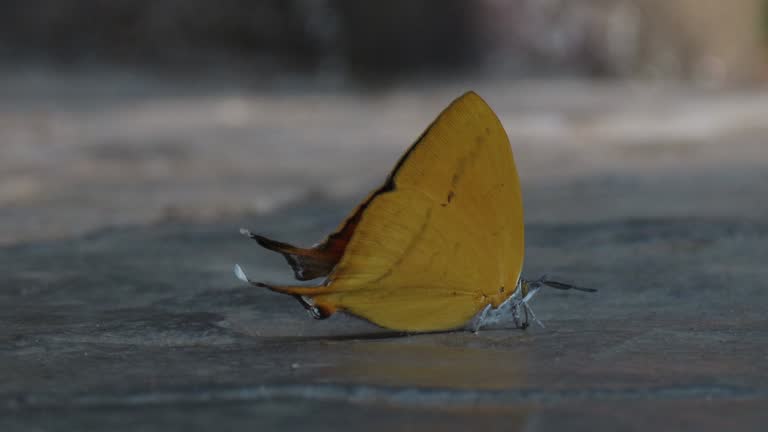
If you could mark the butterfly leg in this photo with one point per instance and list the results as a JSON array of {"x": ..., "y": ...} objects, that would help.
[
  {"x": 517, "y": 306},
  {"x": 531, "y": 289},
  {"x": 515, "y": 311},
  {"x": 533, "y": 286},
  {"x": 309, "y": 305},
  {"x": 478, "y": 321}
]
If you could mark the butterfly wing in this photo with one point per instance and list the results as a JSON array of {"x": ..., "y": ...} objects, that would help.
[{"x": 444, "y": 236}]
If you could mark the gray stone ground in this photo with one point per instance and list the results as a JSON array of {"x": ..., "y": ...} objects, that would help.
[{"x": 119, "y": 217}]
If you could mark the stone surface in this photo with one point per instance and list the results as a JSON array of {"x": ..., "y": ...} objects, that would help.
[{"x": 145, "y": 327}]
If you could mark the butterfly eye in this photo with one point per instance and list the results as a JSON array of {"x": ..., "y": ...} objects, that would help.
[{"x": 524, "y": 287}]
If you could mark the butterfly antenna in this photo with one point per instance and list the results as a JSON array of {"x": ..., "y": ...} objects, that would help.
[
  {"x": 533, "y": 288},
  {"x": 561, "y": 285},
  {"x": 533, "y": 315}
]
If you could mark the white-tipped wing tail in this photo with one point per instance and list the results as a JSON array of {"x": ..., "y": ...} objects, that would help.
[{"x": 241, "y": 274}]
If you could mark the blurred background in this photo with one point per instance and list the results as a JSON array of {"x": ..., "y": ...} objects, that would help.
[{"x": 134, "y": 112}]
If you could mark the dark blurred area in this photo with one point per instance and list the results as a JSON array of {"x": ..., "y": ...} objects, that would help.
[
  {"x": 129, "y": 112},
  {"x": 393, "y": 40},
  {"x": 364, "y": 39}
]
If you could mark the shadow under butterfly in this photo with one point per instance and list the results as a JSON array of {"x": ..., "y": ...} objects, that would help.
[{"x": 439, "y": 246}]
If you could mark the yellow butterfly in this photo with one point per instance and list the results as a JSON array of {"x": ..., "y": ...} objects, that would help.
[{"x": 439, "y": 245}]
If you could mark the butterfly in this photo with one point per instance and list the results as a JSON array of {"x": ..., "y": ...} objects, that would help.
[{"x": 439, "y": 246}]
